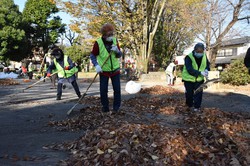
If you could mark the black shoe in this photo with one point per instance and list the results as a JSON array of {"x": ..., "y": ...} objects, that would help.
[
  {"x": 105, "y": 109},
  {"x": 115, "y": 111},
  {"x": 58, "y": 98},
  {"x": 79, "y": 96}
]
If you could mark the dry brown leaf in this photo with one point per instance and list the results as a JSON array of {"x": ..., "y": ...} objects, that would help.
[
  {"x": 235, "y": 162},
  {"x": 154, "y": 157},
  {"x": 99, "y": 151}
]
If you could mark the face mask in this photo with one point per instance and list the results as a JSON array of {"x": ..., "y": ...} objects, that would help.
[
  {"x": 198, "y": 55},
  {"x": 110, "y": 38}
]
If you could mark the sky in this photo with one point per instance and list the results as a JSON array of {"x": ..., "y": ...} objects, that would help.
[{"x": 64, "y": 16}]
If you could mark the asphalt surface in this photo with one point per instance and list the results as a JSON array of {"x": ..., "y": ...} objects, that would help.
[{"x": 24, "y": 118}]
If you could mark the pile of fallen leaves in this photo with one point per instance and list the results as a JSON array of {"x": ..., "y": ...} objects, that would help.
[
  {"x": 153, "y": 130},
  {"x": 159, "y": 90},
  {"x": 7, "y": 82}
]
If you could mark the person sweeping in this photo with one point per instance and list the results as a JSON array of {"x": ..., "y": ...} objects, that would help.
[
  {"x": 67, "y": 70},
  {"x": 107, "y": 47},
  {"x": 195, "y": 69}
]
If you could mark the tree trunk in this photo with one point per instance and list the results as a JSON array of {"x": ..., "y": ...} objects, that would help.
[
  {"x": 144, "y": 48},
  {"x": 149, "y": 30}
]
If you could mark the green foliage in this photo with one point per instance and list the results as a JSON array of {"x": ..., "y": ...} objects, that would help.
[
  {"x": 137, "y": 23},
  {"x": 12, "y": 36},
  {"x": 42, "y": 29},
  {"x": 77, "y": 54},
  {"x": 236, "y": 74},
  {"x": 173, "y": 33}
]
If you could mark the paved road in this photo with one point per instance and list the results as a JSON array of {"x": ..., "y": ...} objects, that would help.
[{"x": 24, "y": 118}]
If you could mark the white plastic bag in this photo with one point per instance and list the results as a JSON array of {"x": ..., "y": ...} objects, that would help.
[{"x": 132, "y": 87}]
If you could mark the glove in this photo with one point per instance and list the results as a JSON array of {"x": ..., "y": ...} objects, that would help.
[
  {"x": 48, "y": 75},
  {"x": 67, "y": 68},
  {"x": 204, "y": 73},
  {"x": 98, "y": 69},
  {"x": 115, "y": 49}
]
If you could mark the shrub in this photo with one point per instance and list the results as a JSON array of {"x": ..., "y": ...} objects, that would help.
[{"x": 236, "y": 74}]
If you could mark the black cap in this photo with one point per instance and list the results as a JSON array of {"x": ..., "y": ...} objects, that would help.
[
  {"x": 199, "y": 45},
  {"x": 57, "y": 53}
]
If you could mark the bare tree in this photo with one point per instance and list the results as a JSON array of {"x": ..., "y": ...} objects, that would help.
[
  {"x": 219, "y": 18},
  {"x": 70, "y": 36}
]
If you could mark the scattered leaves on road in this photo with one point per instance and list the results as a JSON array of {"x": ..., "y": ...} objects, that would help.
[
  {"x": 155, "y": 128},
  {"x": 7, "y": 82}
]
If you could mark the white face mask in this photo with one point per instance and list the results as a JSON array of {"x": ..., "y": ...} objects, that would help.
[
  {"x": 110, "y": 38},
  {"x": 198, "y": 55}
]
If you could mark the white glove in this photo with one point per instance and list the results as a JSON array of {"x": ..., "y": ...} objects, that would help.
[
  {"x": 115, "y": 49},
  {"x": 204, "y": 73},
  {"x": 98, "y": 69}
]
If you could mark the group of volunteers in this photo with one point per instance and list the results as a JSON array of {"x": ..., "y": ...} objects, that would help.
[{"x": 105, "y": 58}]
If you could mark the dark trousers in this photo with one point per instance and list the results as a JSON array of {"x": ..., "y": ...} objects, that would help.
[
  {"x": 30, "y": 74},
  {"x": 73, "y": 83},
  {"x": 191, "y": 99},
  {"x": 104, "y": 91}
]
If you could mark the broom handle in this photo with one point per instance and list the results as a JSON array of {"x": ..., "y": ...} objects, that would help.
[
  {"x": 40, "y": 80},
  {"x": 69, "y": 111}
]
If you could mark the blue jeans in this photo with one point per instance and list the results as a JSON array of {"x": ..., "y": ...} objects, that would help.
[
  {"x": 104, "y": 92},
  {"x": 191, "y": 99}
]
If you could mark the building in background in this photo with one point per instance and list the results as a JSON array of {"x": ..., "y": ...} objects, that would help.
[{"x": 231, "y": 50}]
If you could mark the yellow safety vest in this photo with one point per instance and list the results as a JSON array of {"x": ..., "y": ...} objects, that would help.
[
  {"x": 188, "y": 77},
  {"x": 64, "y": 73},
  {"x": 113, "y": 63}
]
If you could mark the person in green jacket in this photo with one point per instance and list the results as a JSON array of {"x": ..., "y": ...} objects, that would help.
[
  {"x": 66, "y": 71},
  {"x": 31, "y": 69},
  {"x": 195, "y": 69},
  {"x": 107, "y": 47}
]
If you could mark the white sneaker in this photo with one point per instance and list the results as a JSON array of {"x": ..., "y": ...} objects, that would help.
[{"x": 196, "y": 109}]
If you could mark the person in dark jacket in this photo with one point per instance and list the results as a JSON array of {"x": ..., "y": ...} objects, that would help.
[
  {"x": 195, "y": 69},
  {"x": 66, "y": 71},
  {"x": 103, "y": 47},
  {"x": 247, "y": 60}
]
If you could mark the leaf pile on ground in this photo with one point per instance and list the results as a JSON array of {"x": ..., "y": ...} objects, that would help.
[
  {"x": 7, "y": 82},
  {"x": 159, "y": 90},
  {"x": 153, "y": 130}
]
